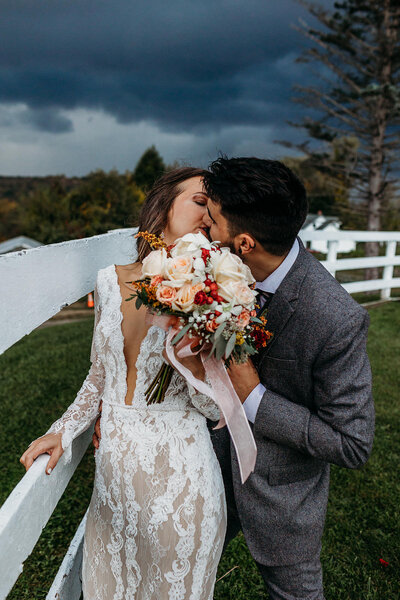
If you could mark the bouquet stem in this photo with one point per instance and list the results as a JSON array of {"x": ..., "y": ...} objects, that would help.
[{"x": 155, "y": 393}]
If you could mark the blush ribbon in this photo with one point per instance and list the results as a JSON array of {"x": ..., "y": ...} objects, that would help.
[{"x": 221, "y": 391}]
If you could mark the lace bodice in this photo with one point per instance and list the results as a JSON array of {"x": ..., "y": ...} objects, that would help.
[{"x": 106, "y": 379}]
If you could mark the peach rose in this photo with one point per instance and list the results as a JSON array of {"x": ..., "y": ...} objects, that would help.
[
  {"x": 212, "y": 325},
  {"x": 179, "y": 269},
  {"x": 243, "y": 319},
  {"x": 237, "y": 292},
  {"x": 166, "y": 294},
  {"x": 184, "y": 299},
  {"x": 156, "y": 280}
]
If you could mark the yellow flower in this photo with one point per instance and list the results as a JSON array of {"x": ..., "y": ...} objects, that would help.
[{"x": 239, "y": 339}]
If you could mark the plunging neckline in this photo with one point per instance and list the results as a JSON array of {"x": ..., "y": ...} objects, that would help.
[{"x": 122, "y": 340}]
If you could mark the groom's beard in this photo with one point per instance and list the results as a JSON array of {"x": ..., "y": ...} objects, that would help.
[{"x": 231, "y": 247}]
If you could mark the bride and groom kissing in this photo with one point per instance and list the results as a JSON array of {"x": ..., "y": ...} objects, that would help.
[{"x": 168, "y": 495}]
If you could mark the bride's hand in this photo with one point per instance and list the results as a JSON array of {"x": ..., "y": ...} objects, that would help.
[
  {"x": 97, "y": 432},
  {"x": 50, "y": 444}
]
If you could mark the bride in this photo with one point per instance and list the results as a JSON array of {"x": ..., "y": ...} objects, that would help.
[{"x": 157, "y": 517}]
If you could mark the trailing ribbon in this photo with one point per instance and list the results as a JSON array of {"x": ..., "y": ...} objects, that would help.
[{"x": 221, "y": 391}]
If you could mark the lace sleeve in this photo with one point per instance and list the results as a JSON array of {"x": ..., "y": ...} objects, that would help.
[
  {"x": 203, "y": 403},
  {"x": 81, "y": 413}
]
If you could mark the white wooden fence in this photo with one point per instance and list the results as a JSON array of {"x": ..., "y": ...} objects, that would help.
[
  {"x": 35, "y": 285},
  {"x": 388, "y": 262}
]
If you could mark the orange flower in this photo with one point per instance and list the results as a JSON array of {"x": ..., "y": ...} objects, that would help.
[
  {"x": 156, "y": 280},
  {"x": 211, "y": 325},
  {"x": 244, "y": 319}
]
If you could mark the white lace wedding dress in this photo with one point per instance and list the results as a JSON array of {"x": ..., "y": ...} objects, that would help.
[{"x": 157, "y": 516}]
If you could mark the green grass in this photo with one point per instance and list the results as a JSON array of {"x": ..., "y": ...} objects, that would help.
[{"x": 39, "y": 377}]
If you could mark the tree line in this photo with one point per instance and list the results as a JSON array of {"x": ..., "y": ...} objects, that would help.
[{"x": 58, "y": 209}]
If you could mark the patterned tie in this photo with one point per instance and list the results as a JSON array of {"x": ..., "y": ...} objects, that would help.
[{"x": 266, "y": 297}]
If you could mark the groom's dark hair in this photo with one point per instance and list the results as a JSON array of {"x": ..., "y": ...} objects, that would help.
[{"x": 261, "y": 197}]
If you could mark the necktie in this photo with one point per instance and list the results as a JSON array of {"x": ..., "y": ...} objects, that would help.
[{"x": 263, "y": 299}]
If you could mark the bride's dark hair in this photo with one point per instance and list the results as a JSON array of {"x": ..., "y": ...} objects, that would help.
[{"x": 154, "y": 214}]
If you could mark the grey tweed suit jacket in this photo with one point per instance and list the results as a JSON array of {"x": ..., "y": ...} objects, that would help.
[{"x": 317, "y": 409}]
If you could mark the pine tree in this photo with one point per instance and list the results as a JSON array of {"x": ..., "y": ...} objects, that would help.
[
  {"x": 358, "y": 95},
  {"x": 149, "y": 168}
]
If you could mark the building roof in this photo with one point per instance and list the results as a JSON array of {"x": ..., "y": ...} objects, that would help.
[
  {"x": 311, "y": 218},
  {"x": 21, "y": 242}
]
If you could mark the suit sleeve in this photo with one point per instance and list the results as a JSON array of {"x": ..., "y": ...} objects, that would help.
[{"x": 340, "y": 427}]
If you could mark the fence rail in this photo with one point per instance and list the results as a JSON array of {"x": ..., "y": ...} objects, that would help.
[
  {"x": 38, "y": 283},
  {"x": 388, "y": 261},
  {"x": 35, "y": 285}
]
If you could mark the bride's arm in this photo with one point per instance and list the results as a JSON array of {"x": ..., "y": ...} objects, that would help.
[{"x": 83, "y": 410}]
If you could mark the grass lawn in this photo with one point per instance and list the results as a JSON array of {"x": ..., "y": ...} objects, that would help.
[{"x": 39, "y": 377}]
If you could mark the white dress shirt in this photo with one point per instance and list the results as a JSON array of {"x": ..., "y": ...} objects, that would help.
[{"x": 270, "y": 284}]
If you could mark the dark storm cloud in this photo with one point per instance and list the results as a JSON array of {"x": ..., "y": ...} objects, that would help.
[{"x": 184, "y": 65}]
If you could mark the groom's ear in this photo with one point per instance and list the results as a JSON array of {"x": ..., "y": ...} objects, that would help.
[{"x": 244, "y": 244}]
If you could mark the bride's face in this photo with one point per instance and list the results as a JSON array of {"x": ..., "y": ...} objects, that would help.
[{"x": 188, "y": 210}]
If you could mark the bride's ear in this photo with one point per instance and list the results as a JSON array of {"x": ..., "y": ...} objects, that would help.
[{"x": 244, "y": 243}]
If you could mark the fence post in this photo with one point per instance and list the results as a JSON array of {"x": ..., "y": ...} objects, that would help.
[
  {"x": 332, "y": 255},
  {"x": 388, "y": 270}
]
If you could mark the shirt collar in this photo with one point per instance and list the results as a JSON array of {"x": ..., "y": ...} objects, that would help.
[{"x": 273, "y": 281}]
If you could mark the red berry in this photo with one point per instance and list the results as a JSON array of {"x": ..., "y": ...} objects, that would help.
[
  {"x": 209, "y": 300},
  {"x": 213, "y": 286},
  {"x": 217, "y": 313},
  {"x": 207, "y": 282}
]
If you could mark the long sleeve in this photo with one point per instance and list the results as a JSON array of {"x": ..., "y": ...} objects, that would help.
[
  {"x": 340, "y": 429},
  {"x": 203, "y": 403},
  {"x": 81, "y": 413}
]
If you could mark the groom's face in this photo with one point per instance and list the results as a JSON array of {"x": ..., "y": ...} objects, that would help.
[{"x": 218, "y": 225}]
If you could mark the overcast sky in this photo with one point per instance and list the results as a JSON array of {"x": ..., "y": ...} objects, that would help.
[{"x": 88, "y": 84}]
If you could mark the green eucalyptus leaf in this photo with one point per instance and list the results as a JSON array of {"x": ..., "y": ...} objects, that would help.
[
  {"x": 181, "y": 333},
  {"x": 220, "y": 329},
  {"x": 220, "y": 348},
  {"x": 230, "y": 345},
  {"x": 255, "y": 320}
]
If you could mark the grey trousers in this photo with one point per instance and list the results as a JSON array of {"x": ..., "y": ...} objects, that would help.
[{"x": 302, "y": 581}]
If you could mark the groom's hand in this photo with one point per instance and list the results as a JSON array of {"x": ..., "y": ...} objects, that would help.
[
  {"x": 244, "y": 378},
  {"x": 193, "y": 363},
  {"x": 97, "y": 432}
]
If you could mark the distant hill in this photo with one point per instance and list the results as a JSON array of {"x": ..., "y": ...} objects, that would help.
[{"x": 13, "y": 188}]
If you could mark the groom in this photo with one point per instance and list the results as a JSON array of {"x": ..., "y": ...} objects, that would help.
[{"x": 307, "y": 395}]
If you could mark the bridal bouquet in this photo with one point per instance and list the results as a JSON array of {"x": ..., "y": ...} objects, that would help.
[{"x": 210, "y": 291}]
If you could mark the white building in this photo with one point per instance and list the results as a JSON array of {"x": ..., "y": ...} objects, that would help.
[
  {"x": 320, "y": 222},
  {"x": 21, "y": 242}
]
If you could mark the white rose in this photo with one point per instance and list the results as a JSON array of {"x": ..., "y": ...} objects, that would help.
[
  {"x": 191, "y": 243},
  {"x": 179, "y": 269},
  {"x": 153, "y": 263},
  {"x": 237, "y": 292},
  {"x": 227, "y": 266}
]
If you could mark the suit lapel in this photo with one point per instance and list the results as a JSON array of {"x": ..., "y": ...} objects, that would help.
[
  {"x": 284, "y": 302},
  {"x": 277, "y": 315}
]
